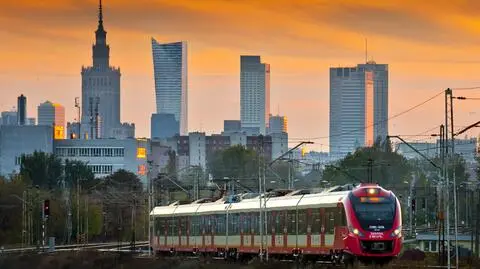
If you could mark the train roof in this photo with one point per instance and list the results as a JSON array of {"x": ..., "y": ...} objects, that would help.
[{"x": 328, "y": 198}]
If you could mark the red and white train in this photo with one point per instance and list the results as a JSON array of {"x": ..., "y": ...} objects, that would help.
[{"x": 363, "y": 223}]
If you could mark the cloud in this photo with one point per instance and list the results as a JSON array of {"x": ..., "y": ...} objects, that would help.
[{"x": 429, "y": 45}]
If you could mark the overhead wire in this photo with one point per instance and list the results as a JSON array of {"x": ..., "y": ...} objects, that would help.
[{"x": 376, "y": 123}]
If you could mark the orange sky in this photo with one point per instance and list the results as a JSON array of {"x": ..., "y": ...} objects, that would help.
[{"x": 429, "y": 45}]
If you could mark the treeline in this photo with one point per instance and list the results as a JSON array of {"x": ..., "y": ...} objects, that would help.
[{"x": 82, "y": 208}]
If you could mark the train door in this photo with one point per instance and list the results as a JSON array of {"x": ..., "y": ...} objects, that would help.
[
  {"x": 291, "y": 228},
  {"x": 315, "y": 224},
  {"x": 208, "y": 232},
  {"x": 172, "y": 232},
  {"x": 188, "y": 226},
  {"x": 329, "y": 219},
  {"x": 271, "y": 217},
  {"x": 341, "y": 229},
  {"x": 203, "y": 230},
  {"x": 213, "y": 224},
  {"x": 181, "y": 224},
  {"x": 301, "y": 229}
]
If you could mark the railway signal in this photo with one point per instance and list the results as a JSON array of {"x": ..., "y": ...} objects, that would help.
[{"x": 46, "y": 208}]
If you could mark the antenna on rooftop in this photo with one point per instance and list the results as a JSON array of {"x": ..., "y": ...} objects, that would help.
[{"x": 366, "y": 50}]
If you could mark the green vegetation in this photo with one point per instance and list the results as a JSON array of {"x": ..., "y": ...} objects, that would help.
[{"x": 109, "y": 209}]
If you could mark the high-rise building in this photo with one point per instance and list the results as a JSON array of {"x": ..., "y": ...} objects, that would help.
[
  {"x": 9, "y": 118},
  {"x": 22, "y": 110},
  {"x": 171, "y": 88},
  {"x": 100, "y": 89},
  {"x": 51, "y": 114},
  {"x": 164, "y": 125},
  {"x": 358, "y": 106},
  {"x": 254, "y": 95},
  {"x": 380, "y": 97},
  {"x": 231, "y": 126},
  {"x": 277, "y": 124}
]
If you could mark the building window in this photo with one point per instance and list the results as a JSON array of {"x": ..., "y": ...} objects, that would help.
[
  {"x": 141, "y": 153},
  {"x": 18, "y": 161},
  {"x": 142, "y": 170}
]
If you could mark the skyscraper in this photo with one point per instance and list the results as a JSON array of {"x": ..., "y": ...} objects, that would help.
[
  {"x": 358, "y": 106},
  {"x": 163, "y": 125},
  {"x": 22, "y": 110},
  {"x": 51, "y": 114},
  {"x": 232, "y": 126},
  {"x": 254, "y": 95},
  {"x": 277, "y": 124},
  {"x": 100, "y": 89},
  {"x": 171, "y": 88},
  {"x": 380, "y": 97},
  {"x": 9, "y": 118}
]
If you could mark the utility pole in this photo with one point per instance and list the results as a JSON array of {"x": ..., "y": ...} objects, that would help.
[
  {"x": 24, "y": 219},
  {"x": 78, "y": 210},
  {"x": 150, "y": 193},
  {"x": 261, "y": 195},
  {"x": 86, "y": 219},
  {"x": 265, "y": 220},
  {"x": 451, "y": 162}
]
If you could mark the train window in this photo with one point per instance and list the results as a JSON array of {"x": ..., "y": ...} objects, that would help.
[
  {"x": 172, "y": 225},
  {"x": 254, "y": 221},
  {"x": 302, "y": 221},
  {"x": 291, "y": 222},
  {"x": 220, "y": 227},
  {"x": 246, "y": 223},
  {"x": 279, "y": 222},
  {"x": 270, "y": 222},
  {"x": 339, "y": 219},
  {"x": 316, "y": 221},
  {"x": 329, "y": 220},
  {"x": 183, "y": 225},
  {"x": 192, "y": 225},
  {"x": 344, "y": 217},
  {"x": 203, "y": 225},
  {"x": 156, "y": 225},
  {"x": 233, "y": 224},
  {"x": 210, "y": 224}
]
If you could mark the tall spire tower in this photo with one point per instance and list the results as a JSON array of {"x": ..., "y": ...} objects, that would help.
[
  {"x": 101, "y": 51},
  {"x": 101, "y": 82}
]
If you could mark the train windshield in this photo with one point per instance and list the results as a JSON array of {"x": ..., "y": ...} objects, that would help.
[{"x": 374, "y": 213}]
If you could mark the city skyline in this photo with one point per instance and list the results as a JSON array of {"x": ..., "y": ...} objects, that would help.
[{"x": 421, "y": 64}]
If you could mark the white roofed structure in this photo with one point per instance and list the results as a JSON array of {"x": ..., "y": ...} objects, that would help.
[{"x": 327, "y": 199}]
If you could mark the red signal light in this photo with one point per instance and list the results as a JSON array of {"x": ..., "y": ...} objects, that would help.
[{"x": 46, "y": 208}]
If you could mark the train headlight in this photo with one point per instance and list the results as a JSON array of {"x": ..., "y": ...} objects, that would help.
[
  {"x": 355, "y": 231},
  {"x": 397, "y": 232}
]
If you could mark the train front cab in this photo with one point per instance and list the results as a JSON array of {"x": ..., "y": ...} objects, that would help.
[{"x": 374, "y": 225}]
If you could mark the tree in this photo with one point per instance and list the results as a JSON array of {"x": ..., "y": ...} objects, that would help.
[
  {"x": 79, "y": 171},
  {"x": 10, "y": 211},
  {"x": 42, "y": 169},
  {"x": 388, "y": 169},
  {"x": 123, "y": 197},
  {"x": 236, "y": 162}
]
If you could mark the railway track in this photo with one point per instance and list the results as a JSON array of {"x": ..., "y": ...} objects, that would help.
[
  {"x": 75, "y": 247},
  {"x": 218, "y": 262}
]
